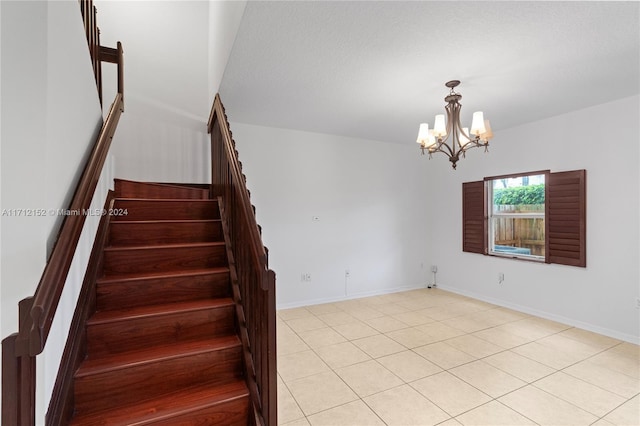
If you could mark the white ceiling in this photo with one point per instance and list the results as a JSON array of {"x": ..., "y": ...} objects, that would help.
[{"x": 375, "y": 70}]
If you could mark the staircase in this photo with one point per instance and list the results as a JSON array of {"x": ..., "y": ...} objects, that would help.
[{"x": 162, "y": 347}]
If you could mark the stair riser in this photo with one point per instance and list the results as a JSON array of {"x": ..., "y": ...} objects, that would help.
[
  {"x": 143, "y": 233},
  {"x": 231, "y": 413},
  {"x": 139, "y": 333},
  {"x": 163, "y": 259},
  {"x": 132, "y": 209},
  {"x": 97, "y": 392},
  {"x": 127, "y": 189},
  {"x": 127, "y": 294}
]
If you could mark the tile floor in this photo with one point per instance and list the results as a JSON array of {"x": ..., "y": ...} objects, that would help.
[{"x": 430, "y": 357}]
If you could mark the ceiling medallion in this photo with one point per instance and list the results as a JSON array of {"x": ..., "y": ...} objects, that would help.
[{"x": 435, "y": 140}]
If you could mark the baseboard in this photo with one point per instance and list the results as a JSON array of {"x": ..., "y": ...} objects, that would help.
[
  {"x": 546, "y": 315},
  {"x": 360, "y": 295}
]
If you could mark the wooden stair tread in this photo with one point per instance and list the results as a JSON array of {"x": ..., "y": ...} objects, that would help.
[
  {"x": 169, "y": 406},
  {"x": 107, "y": 316},
  {"x": 165, "y": 246},
  {"x": 160, "y": 200},
  {"x": 170, "y": 274},
  {"x": 168, "y": 221},
  {"x": 125, "y": 360}
]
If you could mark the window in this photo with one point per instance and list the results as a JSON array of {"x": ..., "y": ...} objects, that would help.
[
  {"x": 548, "y": 227},
  {"x": 516, "y": 216}
]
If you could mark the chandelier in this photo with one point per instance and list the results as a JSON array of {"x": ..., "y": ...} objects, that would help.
[{"x": 435, "y": 140}]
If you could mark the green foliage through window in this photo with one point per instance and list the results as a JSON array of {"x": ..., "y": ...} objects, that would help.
[{"x": 518, "y": 195}]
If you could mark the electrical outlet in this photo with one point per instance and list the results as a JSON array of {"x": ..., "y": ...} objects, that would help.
[
  {"x": 307, "y": 277},
  {"x": 434, "y": 268},
  {"x": 315, "y": 218},
  {"x": 347, "y": 273}
]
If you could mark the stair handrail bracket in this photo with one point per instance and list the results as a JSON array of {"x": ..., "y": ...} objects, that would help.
[{"x": 253, "y": 281}]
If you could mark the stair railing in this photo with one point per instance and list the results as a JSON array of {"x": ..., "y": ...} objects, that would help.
[
  {"x": 255, "y": 282},
  {"x": 36, "y": 313}
]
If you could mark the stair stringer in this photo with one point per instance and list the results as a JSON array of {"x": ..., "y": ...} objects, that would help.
[{"x": 61, "y": 405}]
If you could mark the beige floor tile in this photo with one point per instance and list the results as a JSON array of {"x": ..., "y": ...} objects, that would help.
[
  {"x": 546, "y": 355},
  {"x": 288, "y": 409},
  {"x": 355, "y": 330},
  {"x": 320, "y": 392},
  {"x": 467, "y": 324},
  {"x": 450, "y": 422},
  {"x": 593, "y": 339},
  {"x": 411, "y": 337},
  {"x": 418, "y": 303},
  {"x": 474, "y": 346},
  {"x": 444, "y": 312},
  {"x": 498, "y": 316},
  {"x": 414, "y": 318},
  {"x": 405, "y": 406},
  {"x": 379, "y": 345},
  {"x": 450, "y": 393},
  {"x": 627, "y": 414},
  {"x": 580, "y": 351},
  {"x": 355, "y": 413},
  {"x": 391, "y": 309},
  {"x": 321, "y": 337},
  {"x": 502, "y": 338},
  {"x": 300, "y": 364},
  {"x": 546, "y": 409},
  {"x": 531, "y": 329},
  {"x": 486, "y": 318},
  {"x": 495, "y": 414},
  {"x": 603, "y": 422},
  {"x": 365, "y": 313},
  {"x": 301, "y": 422},
  {"x": 439, "y": 331},
  {"x": 487, "y": 378},
  {"x": 290, "y": 342},
  {"x": 590, "y": 398},
  {"x": 386, "y": 324},
  {"x": 603, "y": 377},
  {"x": 409, "y": 366},
  {"x": 289, "y": 314},
  {"x": 323, "y": 309},
  {"x": 519, "y": 366},
  {"x": 619, "y": 361},
  {"x": 443, "y": 355},
  {"x": 342, "y": 355},
  {"x": 369, "y": 377},
  {"x": 337, "y": 318},
  {"x": 305, "y": 324},
  {"x": 629, "y": 349}
]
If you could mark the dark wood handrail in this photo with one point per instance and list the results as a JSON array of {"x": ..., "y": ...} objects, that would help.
[
  {"x": 32, "y": 336},
  {"x": 258, "y": 249},
  {"x": 253, "y": 283}
]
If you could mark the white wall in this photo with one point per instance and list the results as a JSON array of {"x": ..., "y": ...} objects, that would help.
[
  {"x": 371, "y": 201},
  {"x": 50, "y": 116},
  {"x": 175, "y": 53},
  {"x": 601, "y": 297}
]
